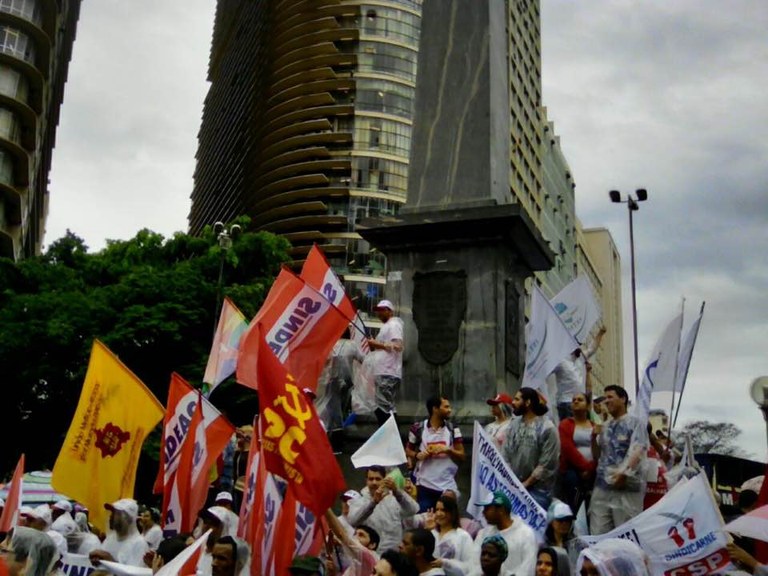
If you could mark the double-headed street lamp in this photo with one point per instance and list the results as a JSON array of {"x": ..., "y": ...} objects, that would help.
[{"x": 641, "y": 194}]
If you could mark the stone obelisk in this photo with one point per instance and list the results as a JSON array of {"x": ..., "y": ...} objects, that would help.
[{"x": 460, "y": 249}]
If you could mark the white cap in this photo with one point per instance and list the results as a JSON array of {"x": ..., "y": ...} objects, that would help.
[
  {"x": 64, "y": 505},
  {"x": 351, "y": 495},
  {"x": 127, "y": 505},
  {"x": 223, "y": 496},
  {"x": 42, "y": 512},
  {"x": 559, "y": 510},
  {"x": 385, "y": 304}
]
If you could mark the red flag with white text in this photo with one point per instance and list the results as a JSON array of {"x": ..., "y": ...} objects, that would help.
[
  {"x": 294, "y": 443},
  {"x": 300, "y": 326},
  {"x": 318, "y": 273},
  {"x": 216, "y": 432},
  {"x": 10, "y": 515}
]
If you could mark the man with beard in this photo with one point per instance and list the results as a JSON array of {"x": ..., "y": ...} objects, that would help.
[
  {"x": 124, "y": 543},
  {"x": 436, "y": 448},
  {"x": 532, "y": 447}
]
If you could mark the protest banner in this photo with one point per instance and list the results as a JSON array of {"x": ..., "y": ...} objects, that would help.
[
  {"x": 490, "y": 472},
  {"x": 76, "y": 564},
  {"x": 682, "y": 533}
]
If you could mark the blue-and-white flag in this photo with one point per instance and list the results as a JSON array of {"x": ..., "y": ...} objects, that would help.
[
  {"x": 660, "y": 371},
  {"x": 577, "y": 307},
  {"x": 547, "y": 339}
]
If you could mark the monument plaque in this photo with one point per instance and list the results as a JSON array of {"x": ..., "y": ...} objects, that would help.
[{"x": 439, "y": 307}]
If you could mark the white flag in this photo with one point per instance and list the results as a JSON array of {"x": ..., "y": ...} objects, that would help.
[
  {"x": 383, "y": 448},
  {"x": 577, "y": 307},
  {"x": 661, "y": 369},
  {"x": 548, "y": 341},
  {"x": 686, "y": 352}
]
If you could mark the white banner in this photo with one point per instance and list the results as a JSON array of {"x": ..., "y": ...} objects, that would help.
[
  {"x": 682, "y": 533},
  {"x": 576, "y": 306},
  {"x": 76, "y": 564},
  {"x": 490, "y": 472},
  {"x": 547, "y": 341}
]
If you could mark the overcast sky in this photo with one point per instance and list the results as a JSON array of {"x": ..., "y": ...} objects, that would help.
[{"x": 668, "y": 96}]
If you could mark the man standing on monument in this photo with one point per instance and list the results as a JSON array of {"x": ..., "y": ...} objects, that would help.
[
  {"x": 387, "y": 349},
  {"x": 532, "y": 447}
]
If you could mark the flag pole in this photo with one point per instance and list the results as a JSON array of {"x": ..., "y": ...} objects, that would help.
[
  {"x": 677, "y": 359},
  {"x": 685, "y": 374}
]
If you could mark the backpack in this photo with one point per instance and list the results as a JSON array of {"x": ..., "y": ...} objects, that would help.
[{"x": 418, "y": 427}]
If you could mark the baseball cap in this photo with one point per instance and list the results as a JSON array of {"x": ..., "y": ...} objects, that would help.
[
  {"x": 42, "y": 512},
  {"x": 351, "y": 495},
  {"x": 306, "y": 564},
  {"x": 217, "y": 513},
  {"x": 64, "y": 505},
  {"x": 499, "y": 399},
  {"x": 559, "y": 510},
  {"x": 127, "y": 505},
  {"x": 497, "y": 498},
  {"x": 385, "y": 304},
  {"x": 223, "y": 497}
]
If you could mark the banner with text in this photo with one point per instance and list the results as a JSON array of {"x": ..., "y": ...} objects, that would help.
[
  {"x": 490, "y": 472},
  {"x": 682, "y": 533}
]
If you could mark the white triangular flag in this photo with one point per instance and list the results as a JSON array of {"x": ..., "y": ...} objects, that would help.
[
  {"x": 548, "y": 341},
  {"x": 383, "y": 448}
]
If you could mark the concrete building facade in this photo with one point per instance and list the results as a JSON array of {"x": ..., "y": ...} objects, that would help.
[{"x": 36, "y": 38}]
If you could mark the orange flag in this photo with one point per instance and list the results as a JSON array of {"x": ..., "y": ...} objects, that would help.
[
  {"x": 299, "y": 325},
  {"x": 12, "y": 503},
  {"x": 294, "y": 444}
]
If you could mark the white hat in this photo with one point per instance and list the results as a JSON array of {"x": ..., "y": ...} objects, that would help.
[
  {"x": 351, "y": 495},
  {"x": 42, "y": 512},
  {"x": 223, "y": 496},
  {"x": 64, "y": 505},
  {"x": 385, "y": 304},
  {"x": 127, "y": 505},
  {"x": 559, "y": 510}
]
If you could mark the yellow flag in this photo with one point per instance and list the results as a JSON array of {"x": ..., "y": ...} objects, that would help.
[{"x": 97, "y": 463}]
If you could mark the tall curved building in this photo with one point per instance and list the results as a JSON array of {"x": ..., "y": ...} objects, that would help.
[
  {"x": 307, "y": 124},
  {"x": 36, "y": 38}
]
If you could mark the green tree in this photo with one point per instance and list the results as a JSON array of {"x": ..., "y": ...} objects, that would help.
[
  {"x": 710, "y": 438},
  {"x": 150, "y": 299}
]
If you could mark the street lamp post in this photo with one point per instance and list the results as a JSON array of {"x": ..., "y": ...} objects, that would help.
[
  {"x": 641, "y": 194},
  {"x": 759, "y": 392},
  {"x": 224, "y": 237}
]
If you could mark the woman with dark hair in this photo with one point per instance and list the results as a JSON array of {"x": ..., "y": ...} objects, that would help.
[
  {"x": 552, "y": 561},
  {"x": 577, "y": 466},
  {"x": 453, "y": 545}
]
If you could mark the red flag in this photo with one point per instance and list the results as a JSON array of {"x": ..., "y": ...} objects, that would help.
[
  {"x": 317, "y": 273},
  {"x": 216, "y": 432},
  {"x": 294, "y": 444},
  {"x": 300, "y": 326},
  {"x": 190, "y": 471},
  {"x": 13, "y": 500},
  {"x": 253, "y": 496}
]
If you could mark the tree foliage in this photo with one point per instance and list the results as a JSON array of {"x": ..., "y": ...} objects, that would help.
[
  {"x": 151, "y": 300},
  {"x": 711, "y": 438}
]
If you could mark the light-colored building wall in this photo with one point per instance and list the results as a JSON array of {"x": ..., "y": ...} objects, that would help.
[{"x": 598, "y": 252}]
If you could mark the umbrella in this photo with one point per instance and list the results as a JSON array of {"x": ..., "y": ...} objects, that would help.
[
  {"x": 752, "y": 525},
  {"x": 36, "y": 489}
]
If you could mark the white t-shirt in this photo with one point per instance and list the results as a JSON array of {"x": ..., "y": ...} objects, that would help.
[
  {"x": 498, "y": 431},
  {"x": 130, "y": 551},
  {"x": 569, "y": 381},
  {"x": 521, "y": 542},
  {"x": 386, "y": 363},
  {"x": 437, "y": 472},
  {"x": 153, "y": 536}
]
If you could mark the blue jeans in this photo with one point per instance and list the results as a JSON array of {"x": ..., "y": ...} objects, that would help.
[{"x": 543, "y": 497}]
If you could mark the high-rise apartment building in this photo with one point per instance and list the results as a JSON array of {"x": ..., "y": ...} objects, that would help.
[
  {"x": 307, "y": 124},
  {"x": 36, "y": 38}
]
